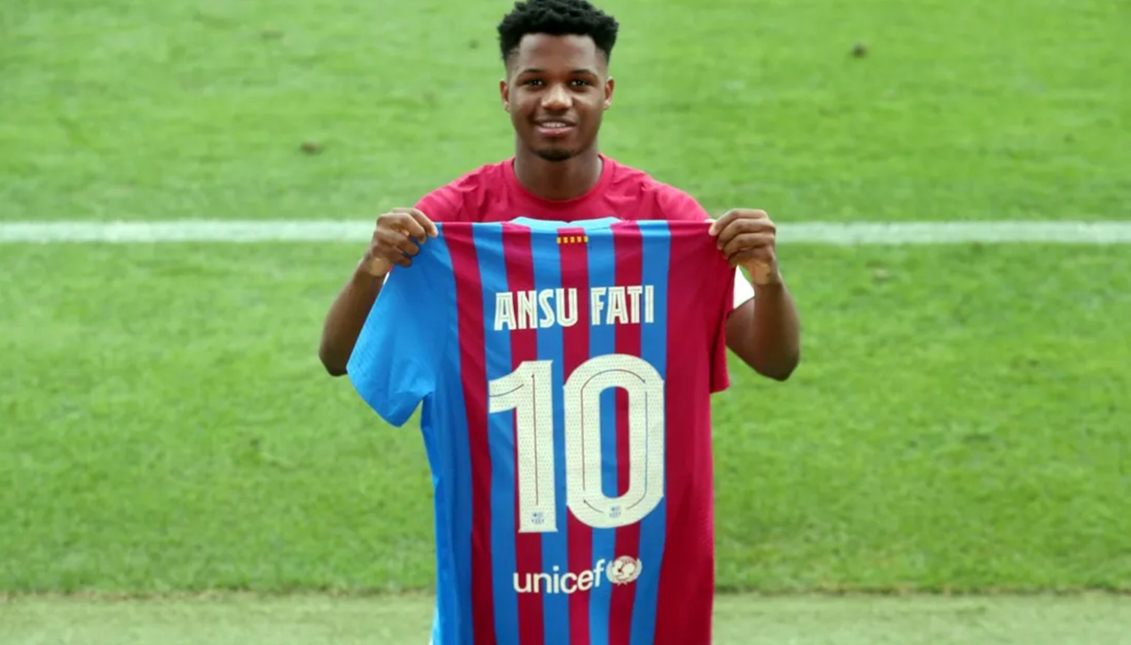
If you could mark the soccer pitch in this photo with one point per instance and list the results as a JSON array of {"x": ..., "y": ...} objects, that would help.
[{"x": 948, "y": 465}]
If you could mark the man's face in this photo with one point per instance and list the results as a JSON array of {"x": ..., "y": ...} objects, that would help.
[{"x": 557, "y": 89}]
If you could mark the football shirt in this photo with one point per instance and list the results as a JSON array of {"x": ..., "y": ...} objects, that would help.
[
  {"x": 565, "y": 371},
  {"x": 493, "y": 193}
]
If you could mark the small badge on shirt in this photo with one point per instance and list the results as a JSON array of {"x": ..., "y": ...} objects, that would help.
[{"x": 573, "y": 239}]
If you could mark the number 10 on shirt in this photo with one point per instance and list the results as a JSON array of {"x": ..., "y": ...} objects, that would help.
[{"x": 528, "y": 392}]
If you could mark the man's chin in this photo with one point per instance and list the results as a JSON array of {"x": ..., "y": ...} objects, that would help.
[{"x": 555, "y": 154}]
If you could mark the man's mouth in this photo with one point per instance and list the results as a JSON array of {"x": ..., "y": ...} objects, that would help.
[{"x": 554, "y": 128}]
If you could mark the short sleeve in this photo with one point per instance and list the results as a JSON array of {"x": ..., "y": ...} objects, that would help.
[
  {"x": 676, "y": 205},
  {"x": 440, "y": 205},
  {"x": 396, "y": 359}
]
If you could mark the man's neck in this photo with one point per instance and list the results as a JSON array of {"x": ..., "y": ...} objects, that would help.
[{"x": 558, "y": 180}]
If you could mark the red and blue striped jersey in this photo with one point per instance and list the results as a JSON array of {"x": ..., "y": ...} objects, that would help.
[{"x": 565, "y": 371}]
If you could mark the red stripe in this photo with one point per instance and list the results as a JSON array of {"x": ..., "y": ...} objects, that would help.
[
  {"x": 697, "y": 274},
  {"x": 628, "y": 244},
  {"x": 473, "y": 370},
  {"x": 575, "y": 341},
  {"x": 524, "y": 347}
]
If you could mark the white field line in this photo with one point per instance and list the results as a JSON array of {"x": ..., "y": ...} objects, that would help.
[{"x": 863, "y": 233}]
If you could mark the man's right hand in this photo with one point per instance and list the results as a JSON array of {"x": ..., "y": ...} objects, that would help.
[{"x": 396, "y": 239}]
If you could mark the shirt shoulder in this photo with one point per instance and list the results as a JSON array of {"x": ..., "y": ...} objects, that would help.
[
  {"x": 464, "y": 198},
  {"x": 652, "y": 198}
]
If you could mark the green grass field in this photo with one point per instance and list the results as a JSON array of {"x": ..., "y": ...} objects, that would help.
[
  {"x": 808, "y": 620},
  {"x": 960, "y": 421}
]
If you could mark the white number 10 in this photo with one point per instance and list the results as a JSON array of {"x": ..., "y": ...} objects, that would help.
[{"x": 527, "y": 390}]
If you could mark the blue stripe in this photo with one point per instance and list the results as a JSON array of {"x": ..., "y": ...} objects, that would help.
[
  {"x": 602, "y": 340},
  {"x": 555, "y": 544},
  {"x": 609, "y": 476},
  {"x": 654, "y": 349},
  {"x": 449, "y": 454},
  {"x": 493, "y": 274}
]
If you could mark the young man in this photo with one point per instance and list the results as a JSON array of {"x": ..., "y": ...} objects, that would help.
[
  {"x": 556, "y": 90},
  {"x": 601, "y": 571}
]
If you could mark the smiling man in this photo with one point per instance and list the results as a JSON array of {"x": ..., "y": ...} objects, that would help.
[
  {"x": 557, "y": 88},
  {"x": 611, "y": 569}
]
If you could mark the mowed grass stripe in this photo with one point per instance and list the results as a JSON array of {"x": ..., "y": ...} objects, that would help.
[
  {"x": 975, "y": 111},
  {"x": 881, "y": 233},
  {"x": 406, "y": 620},
  {"x": 958, "y": 423}
]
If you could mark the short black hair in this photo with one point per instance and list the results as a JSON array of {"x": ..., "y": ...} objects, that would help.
[{"x": 557, "y": 18}]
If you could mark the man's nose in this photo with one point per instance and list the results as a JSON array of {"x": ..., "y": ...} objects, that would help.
[{"x": 556, "y": 97}]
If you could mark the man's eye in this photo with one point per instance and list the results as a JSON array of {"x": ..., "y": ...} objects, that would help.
[
  {"x": 534, "y": 81},
  {"x": 581, "y": 81}
]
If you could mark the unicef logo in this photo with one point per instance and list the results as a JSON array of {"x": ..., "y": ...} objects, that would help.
[{"x": 624, "y": 570}]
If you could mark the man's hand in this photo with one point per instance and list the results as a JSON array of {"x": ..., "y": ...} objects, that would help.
[
  {"x": 749, "y": 238},
  {"x": 396, "y": 239},
  {"x": 766, "y": 335}
]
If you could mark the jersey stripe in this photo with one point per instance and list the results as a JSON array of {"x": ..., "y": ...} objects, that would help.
[
  {"x": 629, "y": 268},
  {"x": 453, "y": 538},
  {"x": 500, "y": 537},
  {"x": 555, "y": 547},
  {"x": 524, "y": 347},
  {"x": 602, "y": 340},
  {"x": 654, "y": 345},
  {"x": 575, "y": 258},
  {"x": 472, "y": 348},
  {"x": 686, "y": 595}
]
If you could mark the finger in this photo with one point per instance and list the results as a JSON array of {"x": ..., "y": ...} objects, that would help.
[
  {"x": 748, "y": 259},
  {"x": 402, "y": 221},
  {"x": 394, "y": 242},
  {"x": 744, "y": 227},
  {"x": 756, "y": 256},
  {"x": 750, "y": 242},
  {"x": 394, "y": 256},
  {"x": 721, "y": 223},
  {"x": 421, "y": 219},
  {"x": 735, "y": 216},
  {"x": 760, "y": 253},
  {"x": 748, "y": 213},
  {"x": 378, "y": 265}
]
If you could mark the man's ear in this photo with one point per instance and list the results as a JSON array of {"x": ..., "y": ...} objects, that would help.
[
  {"x": 610, "y": 85},
  {"x": 505, "y": 94}
]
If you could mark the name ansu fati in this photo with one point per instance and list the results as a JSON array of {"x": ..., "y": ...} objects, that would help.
[{"x": 625, "y": 305}]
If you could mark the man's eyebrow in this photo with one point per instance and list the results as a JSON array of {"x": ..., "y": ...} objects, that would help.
[{"x": 536, "y": 70}]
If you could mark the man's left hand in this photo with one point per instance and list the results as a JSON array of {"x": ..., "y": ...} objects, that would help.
[{"x": 748, "y": 238}]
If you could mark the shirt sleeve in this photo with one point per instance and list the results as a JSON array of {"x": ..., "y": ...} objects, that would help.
[
  {"x": 396, "y": 359},
  {"x": 677, "y": 205},
  {"x": 440, "y": 205}
]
